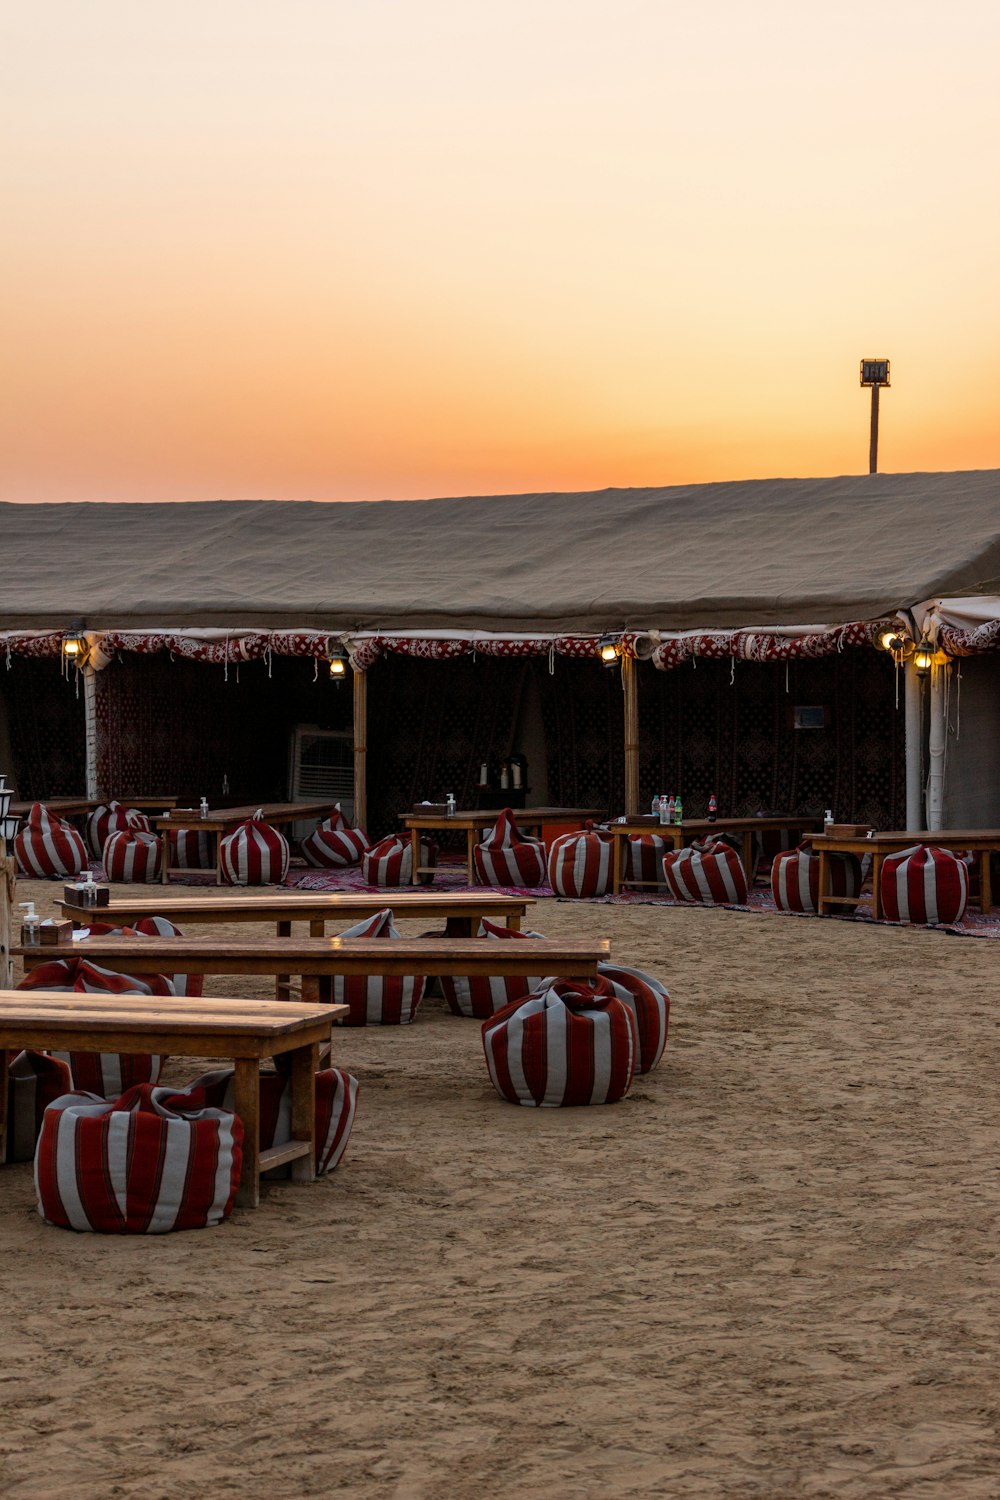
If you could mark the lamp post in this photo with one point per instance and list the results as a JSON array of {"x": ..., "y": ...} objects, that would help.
[{"x": 874, "y": 373}]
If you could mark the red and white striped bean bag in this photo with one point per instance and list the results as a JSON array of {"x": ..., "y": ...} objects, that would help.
[
  {"x": 336, "y": 1107},
  {"x": 111, "y": 817},
  {"x": 481, "y": 995},
  {"x": 376, "y": 999},
  {"x": 34, "y": 1080},
  {"x": 190, "y": 849},
  {"x": 181, "y": 984},
  {"x": 334, "y": 843},
  {"x": 255, "y": 854},
  {"x": 47, "y": 846},
  {"x": 572, "y": 1042},
  {"x": 644, "y": 858},
  {"x": 795, "y": 879},
  {"x": 508, "y": 857},
  {"x": 107, "y": 1073},
  {"x": 390, "y": 862},
  {"x": 579, "y": 864},
  {"x": 649, "y": 1002},
  {"x": 712, "y": 876},
  {"x": 138, "y": 1165},
  {"x": 131, "y": 855},
  {"x": 925, "y": 885}
]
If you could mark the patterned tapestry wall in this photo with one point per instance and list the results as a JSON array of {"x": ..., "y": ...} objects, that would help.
[
  {"x": 181, "y": 726},
  {"x": 46, "y": 723}
]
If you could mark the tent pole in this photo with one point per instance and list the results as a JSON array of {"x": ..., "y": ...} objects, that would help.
[
  {"x": 90, "y": 730},
  {"x": 8, "y": 880},
  {"x": 361, "y": 749},
  {"x": 936, "y": 741},
  {"x": 914, "y": 748},
  {"x": 631, "y": 704}
]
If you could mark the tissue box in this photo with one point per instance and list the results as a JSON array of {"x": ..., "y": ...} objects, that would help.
[
  {"x": 73, "y": 895},
  {"x": 429, "y": 810},
  {"x": 51, "y": 933}
]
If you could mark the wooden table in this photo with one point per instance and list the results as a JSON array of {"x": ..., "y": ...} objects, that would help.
[
  {"x": 474, "y": 821},
  {"x": 315, "y": 959},
  {"x": 981, "y": 841},
  {"x": 679, "y": 834},
  {"x": 222, "y": 820},
  {"x": 69, "y": 807},
  {"x": 461, "y": 910},
  {"x": 245, "y": 1030}
]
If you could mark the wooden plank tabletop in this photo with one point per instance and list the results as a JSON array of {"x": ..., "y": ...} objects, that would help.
[
  {"x": 527, "y": 817},
  {"x": 300, "y": 905},
  {"x": 61, "y": 1010},
  {"x": 228, "y": 817}
]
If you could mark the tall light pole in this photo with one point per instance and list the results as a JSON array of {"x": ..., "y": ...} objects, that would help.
[{"x": 874, "y": 373}]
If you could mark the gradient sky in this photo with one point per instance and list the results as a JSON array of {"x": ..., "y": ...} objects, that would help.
[{"x": 355, "y": 249}]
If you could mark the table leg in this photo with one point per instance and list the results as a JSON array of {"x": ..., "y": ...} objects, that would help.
[
  {"x": 823, "y": 886},
  {"x": 246, "y": 1102},
  {"x": 470, "y": 859},
  {"x": 985, "y": 887},
  {"x": 311, "y": 989},
  {"x": 165, "y": 856},
  {"x": 302, "y": 1082},
  {"x": 617, "y": 849},
  {"x": 415, "y": 854},
  {"x": 876, "y": 886},
  {"x": 748, "y": 857},
  {"x": 317, "y": 927},
  {"x": 218, "y": 857},
  {"x": 282, "y": 982},
  {"x": 4, "y": 1062}
]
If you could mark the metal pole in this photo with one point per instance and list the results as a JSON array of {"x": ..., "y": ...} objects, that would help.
[{"x": 873, "y": 445}]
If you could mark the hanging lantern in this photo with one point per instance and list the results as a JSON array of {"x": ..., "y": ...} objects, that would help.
[
  {"x": 75, "y": 647},
  {"x": 609, "y": 650},
  {"x": 924, "y": 656},
  {"x": 8, "y": 824},
  {"x": 337, "y": 659},
  {"x": 896, "y": 641}
]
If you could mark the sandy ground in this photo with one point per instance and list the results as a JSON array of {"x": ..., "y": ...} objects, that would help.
[{"x": 770, "y": 1271}]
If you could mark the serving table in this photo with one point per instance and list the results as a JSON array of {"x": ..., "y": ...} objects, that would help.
[
  {"x": 245, "y": 1030},
  {"x": 223, "y": 820},
  {"x": 473, "y": 822},
  {"x": 980, "y": 841},
  {"x": 678, "y": 835}
]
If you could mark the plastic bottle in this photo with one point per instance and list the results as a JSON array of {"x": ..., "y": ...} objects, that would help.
[
  {"x": 713, "y": 808},
  {"x": 90, "y": 890},
  {"x": 30, "y": 925},
  {"x": 663, "y": 809},
  {"x": 678, "y": 811},
  {"x": 204, "y": 807},
  {"x": 671, "y": 802},
  {"x": 827, "y": 818},
  {"x": 655, "y": 808},
  {"x": 504, "y": 778},
  {"x": 484, "y": 774},
  {"x": 450, "y": 800}
]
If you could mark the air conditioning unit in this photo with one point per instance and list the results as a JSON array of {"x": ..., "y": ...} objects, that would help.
[{"x": 321, "y": 769}]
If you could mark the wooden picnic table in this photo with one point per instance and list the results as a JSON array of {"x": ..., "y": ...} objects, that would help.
[
  {"x": 245, "y": 1030},
  {"x": 677, "y": 835},
  {"x": 473, "y": 822},
  {"x": 222, "y": 820},
  {"x": 69, "y": 807},
  {"x": 461, "y": 910},
  {"x": 980, "y": 841}
]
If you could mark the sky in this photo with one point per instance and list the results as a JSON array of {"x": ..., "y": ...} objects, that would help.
[{"x": 367, "y": 249}]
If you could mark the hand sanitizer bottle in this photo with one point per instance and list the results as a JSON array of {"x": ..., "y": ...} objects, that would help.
[{"x": 30, "y": 925}]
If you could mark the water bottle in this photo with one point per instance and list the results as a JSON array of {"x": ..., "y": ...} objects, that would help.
[
  {"x": 663, "y": 810},
  {"x": 655, "y": 808}
]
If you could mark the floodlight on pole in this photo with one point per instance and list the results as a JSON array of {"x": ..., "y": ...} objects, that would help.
[{"x": 874, "y": 373}]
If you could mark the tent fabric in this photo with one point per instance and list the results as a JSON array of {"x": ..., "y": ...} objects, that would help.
[{"x": 712, "y": 556}]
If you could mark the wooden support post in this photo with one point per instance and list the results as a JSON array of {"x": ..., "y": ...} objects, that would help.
[
  {"x": 361, "y": 749},
  {"x": 8, "y": 880},
  {"x": 873, "y": 444},
  {"x": 631, "y": 705}
]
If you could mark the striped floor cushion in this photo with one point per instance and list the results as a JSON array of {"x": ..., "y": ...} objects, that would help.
[
  {"x": 481, "y": 995},
  {"x": 334, "y": 843},
  {"x": 105, "y": 1073},
  {"x": 180, "y": 984},
  {"x": 34, "y": 1080},
  {"x": 111, "y": 817},
  {"x": 376, "y": 999},
  {"x": 644, "y": 858},
  {"x": 795, "y": 879},
  {"x": 254, "y": 854},
  {"x": 579, "y": 864},
  {"x": 47, "y": 846},
  {"x": 390, "y": 862},
  {"x": 649, "y": 1003},
  {"x": 131, "y": 855},
  {"x": 508, "y": 857},
  {"x": 190, "y": 849},
  {"x": 924, "y": 885},
  {"x": 572, "y": 1042},
  {"x": 712, "y": 875},
  {"x": 336, "y": 1107},
  {"x": 138, "y": 1165}
]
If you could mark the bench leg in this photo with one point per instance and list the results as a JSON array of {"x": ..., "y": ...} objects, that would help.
[
  {"x": 305, "y": 1065},
  {"x": 5, "y": 1058},
  {"x": 247, "y": 1106},
  {"x": 985, "y": 890},
  {"x": 281, "y": 981}
]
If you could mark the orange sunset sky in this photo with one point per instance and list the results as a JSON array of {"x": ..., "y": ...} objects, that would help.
[{"x": 354, "y": 249}]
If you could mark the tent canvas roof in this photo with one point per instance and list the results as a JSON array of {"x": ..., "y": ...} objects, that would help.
[{"x": 777, "y": 552}]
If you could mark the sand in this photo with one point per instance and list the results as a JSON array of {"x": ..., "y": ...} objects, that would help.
[{"x": 770, "y": 1271}]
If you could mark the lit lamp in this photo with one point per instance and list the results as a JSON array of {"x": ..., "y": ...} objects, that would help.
[
  {"x": 924, "y": 656},
  {"x": 8, "y": 825},
  {"x": 897, "y": 643},
  {"x": 74, "y": 646},
  {"x": 609, "y": 650},
  {"x": 337, "y": 660}
]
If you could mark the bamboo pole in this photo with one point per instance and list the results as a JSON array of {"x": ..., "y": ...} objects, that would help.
[
  {"x": 631, "y": 709},
  {"x": 914, "y": 747},
  {"x": 8, "y": 890},
  {"x": 361, "y": 749}
]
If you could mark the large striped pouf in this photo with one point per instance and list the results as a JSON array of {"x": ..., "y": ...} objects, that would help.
[
  {"x": 180, "y": 984},
  {"x": 190, "y": 849},
  {"x": 334, "y": 843},
  {"x": 137, "y": 1165},
  {"x": 390, "y": 862},
  {"x": 712, "y": 876},
  {"x": 795, "y": 879},
  {"x": 482, "y": 995},
  {"x": 113, "y": 817},
  {"x": 508, "y": 857},
  {"x": 644, "y": 858},
  {"x": 254, "y": 854},
  {"x": 34, "y": 1080},
  {"x": 579, "y": 864},
  {"x": 133, "y": 856},
  {"x": 649, "y": 1003},
  {"x": 47, "y": 846},
  {"x": 924, "y": 885},
  {"x": 105, "y": 1073},
  {"x": 377, "y": 999},
  {"x": 572, "y": 1042},
  {"x": 336, "y": 1107}
]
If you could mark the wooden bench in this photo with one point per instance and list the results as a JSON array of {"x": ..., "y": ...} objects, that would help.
[
  {"x": 316, "y": 959},
  {"x": 245, "y": 1030}
]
